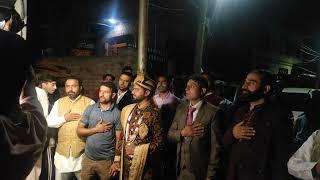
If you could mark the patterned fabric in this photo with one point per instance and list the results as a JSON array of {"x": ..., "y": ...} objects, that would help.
[
  {"x": 150, "y": 117},
  {"x": 144, "y": 127}
]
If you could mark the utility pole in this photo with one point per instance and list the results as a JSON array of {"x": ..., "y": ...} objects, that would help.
[
  {"x": 142, "y": 36},
  {"x": 201, "y": 35},
  {"x": 317, "y": 49}
]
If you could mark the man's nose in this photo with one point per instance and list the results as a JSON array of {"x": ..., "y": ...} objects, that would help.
[{"x": 245, "y": 85}]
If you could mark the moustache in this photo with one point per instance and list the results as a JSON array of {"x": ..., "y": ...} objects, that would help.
[
  {"x": 245, "y": 91},
  {"x": 248, "y": 96}
]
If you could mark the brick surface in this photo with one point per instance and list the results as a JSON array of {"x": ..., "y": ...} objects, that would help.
[{"x": 89, "y": 69}]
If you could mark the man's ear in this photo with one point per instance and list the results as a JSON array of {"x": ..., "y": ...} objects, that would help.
[
  {"x": 147, "y": 93},
  {"x": 267, "y": 89}
]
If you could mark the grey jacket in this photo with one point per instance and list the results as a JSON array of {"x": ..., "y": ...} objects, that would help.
[{"x": 204, "y": 150}]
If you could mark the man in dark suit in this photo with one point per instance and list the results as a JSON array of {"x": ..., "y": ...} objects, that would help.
[
  {"x": 196, "y": 133},
  {"x": 124, "y": 94},
  {"x": 261, "y": 132}
]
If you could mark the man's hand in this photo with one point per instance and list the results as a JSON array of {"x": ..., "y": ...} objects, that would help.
[
  {"x": 243, "y": 132},
  {"x": 130, "y": 148},
  {"x": 191, "y": 131},
  {"x": 103, "y": 127},
  {"x": 115, "y": 168},
  {"x": 72, "y": 117}
]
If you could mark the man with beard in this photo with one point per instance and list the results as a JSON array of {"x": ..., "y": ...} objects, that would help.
[
  {"x": 124, "y": 94},
  {"x": 100, "y": 125},
  {"x": 105, "y": 78},
  {"x": 65, "y": 115},
  {"x": 260, "y": 135},
  {"x": 142, "y": 133}
]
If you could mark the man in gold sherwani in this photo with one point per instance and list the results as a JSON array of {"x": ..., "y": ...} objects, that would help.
[{"x": 142, "y": 133}]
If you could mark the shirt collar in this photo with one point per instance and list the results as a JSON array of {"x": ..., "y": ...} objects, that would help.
[
  {"x": 198, "y": 105},
  {"x": 111, "y": 107},
  {"x": 121, "y": 93}
]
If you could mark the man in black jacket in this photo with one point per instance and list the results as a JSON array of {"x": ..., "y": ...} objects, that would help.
[{"x": 124, "y": 94}]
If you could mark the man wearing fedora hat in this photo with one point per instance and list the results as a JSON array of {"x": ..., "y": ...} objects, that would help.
[{"x": 142, "y": 133}]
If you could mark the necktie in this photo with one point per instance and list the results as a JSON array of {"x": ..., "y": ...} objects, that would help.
[{"x": 190, "y": 115}]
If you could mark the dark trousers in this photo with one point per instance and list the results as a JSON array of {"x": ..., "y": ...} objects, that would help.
[{"x": 47, "y": 166}]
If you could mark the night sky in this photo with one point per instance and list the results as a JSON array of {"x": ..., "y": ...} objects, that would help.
[{"x": 238, "y": 28}]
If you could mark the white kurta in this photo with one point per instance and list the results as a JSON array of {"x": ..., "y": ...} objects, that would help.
[
  {"x": 43, "y": 99},
  {"x": 62, "y": 163},
  {"x": 300, "y": 164}
]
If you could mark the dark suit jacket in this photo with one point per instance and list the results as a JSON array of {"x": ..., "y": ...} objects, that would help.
[
  {"x": 125, "y": 100},
  {"x": 204, "y": 150},
  {"x": 265, "y": 156}
]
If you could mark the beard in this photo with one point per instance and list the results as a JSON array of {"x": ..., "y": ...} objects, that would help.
[
  {"x": 138, "y": 99},
  {"x": 123, "y": 88},
  {"x": 72, "y": 95},
  {"x": 104, "y": 100},
  {"x": 248, "y": 96}
]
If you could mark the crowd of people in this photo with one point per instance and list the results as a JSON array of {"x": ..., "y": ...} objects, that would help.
[{"x": 138, "y": 128}]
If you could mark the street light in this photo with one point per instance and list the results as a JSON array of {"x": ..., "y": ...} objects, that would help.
[{"x": 113, "y": 21}]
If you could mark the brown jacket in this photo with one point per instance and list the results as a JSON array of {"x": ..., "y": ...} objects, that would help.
[
  {"x": 204, "y": 150},
  {"x": 265, "y": 156}
]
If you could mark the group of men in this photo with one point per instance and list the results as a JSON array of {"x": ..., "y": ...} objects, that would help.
[{"x": 128, "y": 134}]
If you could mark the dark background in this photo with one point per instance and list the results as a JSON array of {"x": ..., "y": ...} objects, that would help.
[{"x": 242, "y": 34}]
